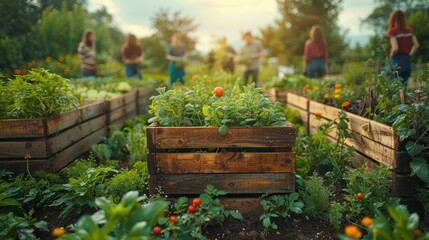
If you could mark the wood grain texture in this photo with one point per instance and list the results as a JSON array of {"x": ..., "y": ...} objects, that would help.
[
  {"x": 23, "y": 149},
  {"x": 297, "y": 101},
  {"x": 208, "y": 137},
  {"x": 22, "y": 128},
  {"x": 229, "y": 162},
  {"x": 122, "y": 100},
  {"x": 231, "y": 183}
]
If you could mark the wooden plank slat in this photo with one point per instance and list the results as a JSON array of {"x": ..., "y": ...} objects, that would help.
[
  {"x": 231, "y": 183},
  {"x": 65, "y": 157},
  {"x": 122, "y": 100},
  {"x": 229, "y": 162},
  {"x": 72, "y": 118},
  {"x": 61, "y": 141},
  {"x": 23, "y": 149},
  {"x": 378, "y": 132},
  {"x": 297, "y": 101},
  {"x": 208, "y": 137},
  {"x": 20, "y": 165},
  {"x": 364, "y": 145},
  {"x": 21, "y": 128}
]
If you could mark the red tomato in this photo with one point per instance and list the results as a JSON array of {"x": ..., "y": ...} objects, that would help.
[
  {"x": 157, "y": 231},
  {"x": 218, "y": 91},
  {"x": 192, "y": 209},
  {"x": 360, "y": 196},
  {"x": 173, "y": 219},
  {"x": 196, "y": 202}
]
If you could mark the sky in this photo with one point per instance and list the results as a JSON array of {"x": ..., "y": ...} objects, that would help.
[{"x": 223, "y": 18}]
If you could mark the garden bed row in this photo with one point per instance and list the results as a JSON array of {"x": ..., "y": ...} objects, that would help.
[
  {"x": 52, "y": 143},
  {"x": 374, "y": 143}
]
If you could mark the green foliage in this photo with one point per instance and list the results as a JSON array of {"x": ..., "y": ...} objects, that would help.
[
  {"x": 374, "y": 185},
  {"x": 423, "y": 196},
  {"x": 302, "y": 165},
  {"x": 136, "y": 142},
  {"x": 403, "y": 227},
  {"x": 37, "y": 94},
  {"x": 191, "y": 225},
  {"x": 78, "y": 167},
  {"x": 292, "y": 116},
  {"x": 125, "y": 181},
  {"x": 276, "y": 206},
  {"x": 80, "y": 192},
  {"x": 315, "y": 195},
  {"x": 335, "y": 215},
  {"x": 412, "y": 127},
  {"x": 129, "y": 219},
  {"x": 200, "y": 107}
]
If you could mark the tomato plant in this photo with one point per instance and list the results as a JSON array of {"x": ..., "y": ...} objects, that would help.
[
  {"x": 192, "y": 209},
  {"x": 173, "y": 219},
  {"x": 360, "y": 196}
]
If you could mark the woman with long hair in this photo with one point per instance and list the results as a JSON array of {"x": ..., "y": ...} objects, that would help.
[
  {"x": 316, "y": 53},
  {"x": 132, "y": 56},
  {"x": 176, "y": 54},
  {"x": 86, "y": 51},
  {"x": 403, "y": 45}
]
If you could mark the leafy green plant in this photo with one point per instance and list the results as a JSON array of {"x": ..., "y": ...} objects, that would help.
[
  {"x": 81, "y": 192},
  {"x": 78, "y": 167},
  {"x": 16, "y": 227},
  {"x": 335, "y": 214},
  {"x": 125, "y": 181},
  {"x": 129, "y": 219},
  {"x": 315, "y": 195},
  {"x": 412, "y": 127},
  {"x": 191, "y": 217},
  {"x": 404, "y": 226},
  {"x": 37, "y": 94},
  {"x": 197, "y": 107},
  {"x": 136, "y": 143},
  {"x": 276, "y": 206},
  {"x": 367, "y": 190}
]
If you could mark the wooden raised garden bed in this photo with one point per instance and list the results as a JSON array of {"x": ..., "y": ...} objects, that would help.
[
  {"x": 121, "y": 108},
  {"x": 374, "y": 142},
  {"x": 51, "y": 143},
  {"x": 256, "y": 160}
]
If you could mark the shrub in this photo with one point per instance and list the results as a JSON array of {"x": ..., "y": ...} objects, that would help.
[
  {"x": 335, "y": 215},
  {"x": 78, "y": 167},
  {"x": 315, "y": 196},
  {"x": 125, "y": 181}
]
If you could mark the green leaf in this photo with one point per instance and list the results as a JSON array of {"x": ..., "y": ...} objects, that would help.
[
  {"x": 414, "y": 149},
  {"x": 236, "y": 215},
  {"x": 420, "y": 168}
]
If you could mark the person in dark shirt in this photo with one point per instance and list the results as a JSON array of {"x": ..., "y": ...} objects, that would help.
[
  {"x": 316, "y": 54},
  {"x": 403, "y": 45}
]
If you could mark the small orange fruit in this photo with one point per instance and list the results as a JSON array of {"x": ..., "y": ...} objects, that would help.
[
  {"x": 58, "y": 231},
  {"x": 352, "y": 231},
  {"x": 218, "y": 91},
  {"x": 367, "y": 221}
]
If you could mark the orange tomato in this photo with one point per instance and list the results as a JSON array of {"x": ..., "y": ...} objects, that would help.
[{"x": 218, "y": 91}]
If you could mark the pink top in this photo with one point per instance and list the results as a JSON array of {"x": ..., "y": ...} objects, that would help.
[{"x": 313, "y": 50}]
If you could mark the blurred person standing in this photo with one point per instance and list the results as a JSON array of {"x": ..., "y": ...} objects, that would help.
[
  {"x": 403, "y": 45},
  {"x": 316, "y": 53},
  {"x": 252, "y": 50},
  {"x": 86, "y": 51},
  {"x": 131, "y": 52},
  {"x": 176, "y": 54}
]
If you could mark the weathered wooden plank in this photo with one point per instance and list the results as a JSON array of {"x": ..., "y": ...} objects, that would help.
[
  {"x": 21, "y": 165},
  {"x": 297, "y": 101},
  {"x": 23, "y": 149},
  {"x": 378, "y": 132},
  {"x": 122, "y": 100},
  {"x": 22, "y": 128},
  {"x": 279, "y": 95},
  {"x": 228, "y": 162},
  {"x": 231, "y": 183},
  {"x": 73, "y": 135},
  {"x": 403, "y": 185},
  {"x": 360, "y": 159},
  {"x": 362, "y": 144},
  {"x": 209, "y": 137},
  {"x": 65, "y": 157},
  {"x": 72, "y": 118}
]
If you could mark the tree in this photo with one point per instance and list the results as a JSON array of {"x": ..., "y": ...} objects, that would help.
[
  {"x": 419, "y": 22},
  {"x": 285, "y": 38},
  {"x": 165, "y": 27}
]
